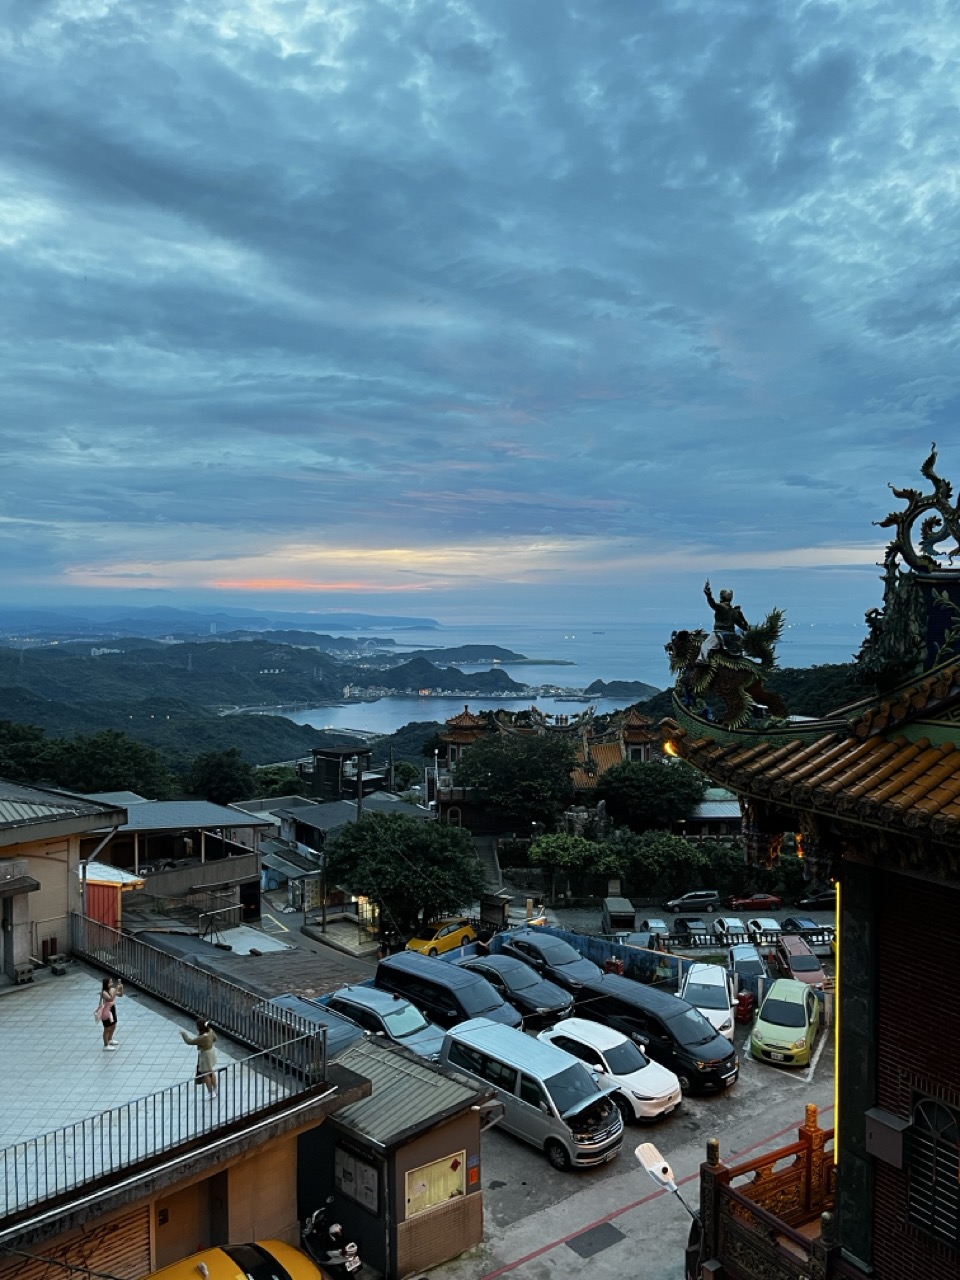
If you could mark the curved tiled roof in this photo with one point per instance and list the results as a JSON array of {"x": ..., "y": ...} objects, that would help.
[{"x": 891, "y": 782}]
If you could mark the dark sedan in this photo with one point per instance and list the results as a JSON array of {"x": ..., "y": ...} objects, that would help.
[
  {"x": 540, "y": 1002},
  {"x": 819, "y": 900},
  {"x": 552, "y": 958}
]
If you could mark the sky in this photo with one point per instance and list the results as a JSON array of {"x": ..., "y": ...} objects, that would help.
[{"x": 472, "y": 308}]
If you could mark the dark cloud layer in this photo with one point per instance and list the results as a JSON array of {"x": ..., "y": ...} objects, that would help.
[{"x": 571, "y": 288}]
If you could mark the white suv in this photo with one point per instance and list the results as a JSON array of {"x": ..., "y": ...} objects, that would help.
[{"x": 707, "y": 988}]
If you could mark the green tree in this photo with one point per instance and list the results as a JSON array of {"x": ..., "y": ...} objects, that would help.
[
  {"x": 414, "y": 869},
  {"x": 658, "y": 862},
  {"x": 221, "y": 776},
  {"x": 24, "y": 749},
  {"x": 406, "y": 774},
  {"x": 275, "y": 780},
  {"x": 650, "y": 796},
  {"x": 109, "y": 761},
  {"x": 525, "y": 778},
  {"x": 561, "y": 853}
]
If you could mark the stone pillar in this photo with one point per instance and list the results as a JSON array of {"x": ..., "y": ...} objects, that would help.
[{"x": 856, "y": 1028}]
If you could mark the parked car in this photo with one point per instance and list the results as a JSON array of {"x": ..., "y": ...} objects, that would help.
[
  {"x": 668, "y": 1030},
  {"x": 552, "y": 958},
  {"x": 690, "y": 927},
  {"x": 729, "y": 927},
  {"x": 654, "y": 925},
  {"x": 645, "y": 941},
  {"x": 755, "y": 902},
  {"x": 540, "y": 1002},
  {"x": 746, "y": 961},
  {"x": 265, "y": 1258},
  {"x": 549, "y": 1098},
  {"x": 443, "y": 935},
  {"x": 802, "y": 924},
  {"x": 794, "y": 959},
  {"x": 819, "y": 899},
  {"x": 617, "y": 914},
  {"x": 388, "y": 1014},
  {"x": 787, "y": 1024},
  {"x": 646, "y": 1090},
  {"x": 762, "y": 925},
  {"x": 707, "y": 988},
  {"x": 697, "y": 900},
  {"x": 444, "y": 992}
]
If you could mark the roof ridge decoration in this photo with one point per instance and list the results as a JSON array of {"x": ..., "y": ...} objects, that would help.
[
  {"x": 918, "y": 626},
  {"x": 719, "y": 674}
]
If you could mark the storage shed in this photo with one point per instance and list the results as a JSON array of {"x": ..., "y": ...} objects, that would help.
[{"x": 402, "y": 1165}]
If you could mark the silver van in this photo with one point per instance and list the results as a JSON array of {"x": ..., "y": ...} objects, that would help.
[{"x": 550, "y": 1099}]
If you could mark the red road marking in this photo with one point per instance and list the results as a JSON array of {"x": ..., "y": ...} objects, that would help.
[{"x": 635, "y": 1204}]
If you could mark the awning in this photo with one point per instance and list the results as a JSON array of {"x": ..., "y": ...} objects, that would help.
[
  {"x": 104, "y": 873},
  {"x": 287, "y": 867},
  {"x": 18, "y": 884}
]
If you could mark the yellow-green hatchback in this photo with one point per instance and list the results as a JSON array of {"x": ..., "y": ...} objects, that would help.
[{"x": 787, "y": 1024}]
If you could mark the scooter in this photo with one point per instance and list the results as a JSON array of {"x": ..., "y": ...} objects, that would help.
[{"x": 326, "y": 1244}]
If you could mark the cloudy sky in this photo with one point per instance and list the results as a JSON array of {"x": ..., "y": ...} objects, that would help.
[{"x": 472, "y": 307}]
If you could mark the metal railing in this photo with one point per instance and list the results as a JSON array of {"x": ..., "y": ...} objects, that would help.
[
  {"x": 53, "y": 1164},
  {"x": 217, "y": 921},
  {"x": 242, "y": 1014}
]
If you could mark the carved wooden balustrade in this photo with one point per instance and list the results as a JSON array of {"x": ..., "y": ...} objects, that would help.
[{"x": 769, "y": 1218}]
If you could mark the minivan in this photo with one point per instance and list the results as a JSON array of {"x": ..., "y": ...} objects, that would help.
[
  {"x": 672, "y": 1032},
  {"x": 697, "y": 900},
  {"x": 550, "y": 1099},
  {"x": 617, "y": 915},
  {"x": 443, "y": 992}
]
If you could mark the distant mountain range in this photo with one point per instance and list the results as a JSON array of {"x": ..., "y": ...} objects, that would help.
[{"x": 161, "y": 620}]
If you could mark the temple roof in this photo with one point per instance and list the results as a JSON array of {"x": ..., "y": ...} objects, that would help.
[{"x": 893, "y": 764}]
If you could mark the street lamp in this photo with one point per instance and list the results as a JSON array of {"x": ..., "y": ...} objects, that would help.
[{"x": 660, "y": 1171}]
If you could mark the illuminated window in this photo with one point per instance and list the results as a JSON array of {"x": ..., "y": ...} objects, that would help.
[
  {"x": 435, "y": 1184},
  {"x": 934, "y": 1196}
]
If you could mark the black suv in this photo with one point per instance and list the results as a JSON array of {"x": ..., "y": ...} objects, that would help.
[{"x": 670, "y": 1030}]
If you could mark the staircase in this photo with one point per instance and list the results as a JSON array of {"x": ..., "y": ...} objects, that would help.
[{"x": 486, "y": 847}]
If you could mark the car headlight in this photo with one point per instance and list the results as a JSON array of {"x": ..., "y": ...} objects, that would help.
[
  {"x": 725, "y": 1026},
  {"x": 642, "y": 1097},
  {"x": 799, "y": 1044},
  {"x": 757, "y": 1036},
  {"x": 704, "y": 1066}
]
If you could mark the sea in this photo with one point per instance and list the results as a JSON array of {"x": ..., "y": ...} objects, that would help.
[{"x": 597, "y": 651}]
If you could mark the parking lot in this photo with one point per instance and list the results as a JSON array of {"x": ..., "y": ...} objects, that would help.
[{"x": 613, "y": 1220}]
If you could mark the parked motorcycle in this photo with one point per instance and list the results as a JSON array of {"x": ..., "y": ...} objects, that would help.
[{"x": 326, "y": 1244}]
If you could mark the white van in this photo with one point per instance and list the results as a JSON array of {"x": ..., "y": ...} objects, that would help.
[
  {"x": 550, "y": 1099},
  {"x": 708, "y": 988}
]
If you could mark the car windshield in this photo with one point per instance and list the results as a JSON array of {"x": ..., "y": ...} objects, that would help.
[
  {"x": 404, "y": 1020},
  {"x": 570, "y": 1086},
  {"x": 519, "y": 976},
  {"x": 706, "y": 995},
  {"x": 804, "y": 964},
  {"x": 557, "y": 952},
  {"x": 782, "y": 1013},
  {"x": 750, "y": 967},
  {"x": 430, "y": 930},
  {"x": 691, "y": 1028},
  {"x": 478, "y": 997},
  {"x": 624, "y": 1059}
]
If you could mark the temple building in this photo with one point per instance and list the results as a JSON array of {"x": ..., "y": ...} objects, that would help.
[{"x": 874, "y": 790}]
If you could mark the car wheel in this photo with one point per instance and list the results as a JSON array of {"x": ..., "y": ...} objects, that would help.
[
  {"x": 558, "y": 1155},
  {"x": 465, "y": 941},
  {"x": 432, "y": 952},
  {"x": 626, "y": 1111},
  {"x": 684, "y": 1081},
  {"x": 675, "y": 910},
  {"x": 711, "y": 908}
]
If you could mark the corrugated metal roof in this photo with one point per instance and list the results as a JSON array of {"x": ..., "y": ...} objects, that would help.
[
  {"x": 407, "y": 1091},
  {"x": 122, "y": 798},
  {"x": 713, "y": 810},
  {"x": 179, "y": 815},
  {"x": 20, "y": 805}
]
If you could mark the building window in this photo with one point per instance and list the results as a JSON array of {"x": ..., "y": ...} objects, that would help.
[
  {"x": 435, "y": 1184},
  {"x": 934, "y": 1197},
  {"x": 355, "y": 1178}
]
